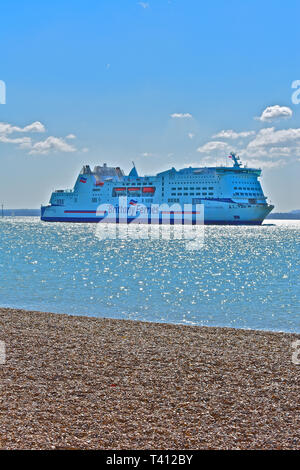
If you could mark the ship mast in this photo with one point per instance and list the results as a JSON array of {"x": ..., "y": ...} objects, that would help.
[{"x": 236, "y": 159}]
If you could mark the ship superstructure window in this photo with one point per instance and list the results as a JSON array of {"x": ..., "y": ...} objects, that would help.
[{"x": 60, "y": 202}]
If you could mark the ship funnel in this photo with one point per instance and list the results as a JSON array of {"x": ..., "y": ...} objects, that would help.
[{"x": 133, "y": 172}]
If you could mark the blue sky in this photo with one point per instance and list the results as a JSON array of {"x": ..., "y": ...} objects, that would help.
[{"x": 156, "y": 82}]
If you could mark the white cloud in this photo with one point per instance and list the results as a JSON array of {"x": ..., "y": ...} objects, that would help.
[
  {"x": 54, "y": 144},
  {"x": 22, "y": 141},
  {"x": 275, "y": 112},
  {"x": 181, "y": 116},
  {"x": 191, "y": 135},
  {"x": 254, "y": 163},
  {"x": 213, "y": 146},
  {"x": 208, "y": 160},
  {"x": 147, "y": 154},
  {"x": 36, "y": 126},
  {"x": 144, "y": 4},
  {"x": 230, "y": 134},
  {"x": 268, "y": 148},
  {"x": 267, "y": 143},
  {"x": 271, "y": 137}
]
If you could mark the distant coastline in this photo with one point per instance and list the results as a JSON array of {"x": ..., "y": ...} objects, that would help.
[
  {"x": 21, "y": 212},
  {"x": 293, "y": 215}
]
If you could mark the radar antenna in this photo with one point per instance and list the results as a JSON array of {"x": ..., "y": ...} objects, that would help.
[{"x": 236, "y": 159}]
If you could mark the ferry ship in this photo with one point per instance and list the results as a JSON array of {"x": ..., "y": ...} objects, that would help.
[{"x": 230, "y": 195}]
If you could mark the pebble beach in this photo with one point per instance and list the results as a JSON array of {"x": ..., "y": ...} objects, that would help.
[{"x": 74, "y": 382}]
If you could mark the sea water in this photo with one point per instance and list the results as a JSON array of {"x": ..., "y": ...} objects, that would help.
[{"x": 241, "y": 277}]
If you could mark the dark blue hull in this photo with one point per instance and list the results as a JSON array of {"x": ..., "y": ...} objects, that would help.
[{"x": 98, "y": 219}]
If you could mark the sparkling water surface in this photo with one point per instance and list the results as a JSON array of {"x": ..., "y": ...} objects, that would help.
[{"x": 242, "y": 277}]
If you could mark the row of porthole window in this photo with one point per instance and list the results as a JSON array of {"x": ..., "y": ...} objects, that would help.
[
  {"x": 61, "y": 202},
  {"x": 192, "y": 194},
  {"x": 247, "y": 194},
  {"x": 192, "y": 188},
  {"x": 139, "y": 184},
  {"x": 245, "y": 189}
]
